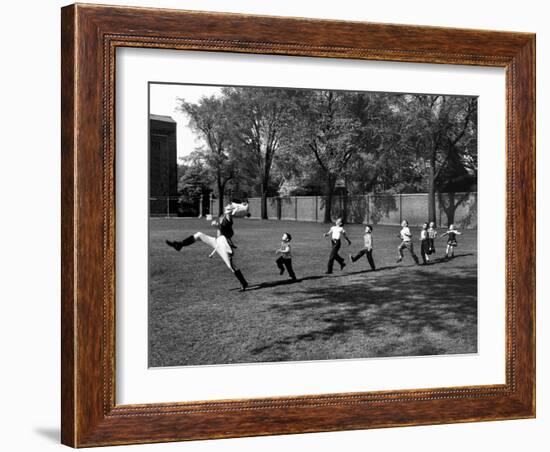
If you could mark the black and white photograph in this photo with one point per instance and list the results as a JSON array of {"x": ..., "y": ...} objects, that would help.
[
  {"x": 302, "y": 224},
  {"x": 275, "y": 226}
]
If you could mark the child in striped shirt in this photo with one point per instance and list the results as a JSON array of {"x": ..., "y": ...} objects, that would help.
[
  {"x": 406, "y": 242},
  {"x": 432, "y": 234},
  {"x": 424, "y": 244},
  {"x": 367, "y": 249}
]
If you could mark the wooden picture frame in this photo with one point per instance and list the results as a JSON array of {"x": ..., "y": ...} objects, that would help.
[{"x": 90, "y": 36}]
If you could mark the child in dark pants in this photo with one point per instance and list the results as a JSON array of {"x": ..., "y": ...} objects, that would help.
[
  {"x": 367, "y": 249},
  {"x": 432, "y": 234},
  {"x": 335, "y": 233},
  {"x": 285, "y": 258},
  {"x": 424, "y": 244},
  {"x": 406, "y": 242}
]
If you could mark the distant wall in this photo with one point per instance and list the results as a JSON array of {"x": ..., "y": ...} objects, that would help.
[{"x": 457, "y": 208}]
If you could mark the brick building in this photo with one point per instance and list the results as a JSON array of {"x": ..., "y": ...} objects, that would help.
[{"x": 163, "y": 168}]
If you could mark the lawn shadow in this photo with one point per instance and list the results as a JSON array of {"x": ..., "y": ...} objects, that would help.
[
  {"x": 443, "y": 259},
  {"x": 417, "y": 304},
  {"x": 269, "y": 284},
  {"x": 456, "y": 256},
  {"x": 285, "y": 282}
]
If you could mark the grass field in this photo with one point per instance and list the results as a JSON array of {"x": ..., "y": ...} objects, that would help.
[{"x": 197, "y": 315}]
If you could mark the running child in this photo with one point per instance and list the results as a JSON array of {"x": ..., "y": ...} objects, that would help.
[
  {"x": 432, "y": 234},
  {"x": 424, "y": 244},
  {"x": 285, "y": 258},
  {"x": 367, "y": 249},
  {"x": 222, "y": 244},
  {"x": 451, "y": 234},
  {"x": 406, "y": 242},
  {"x": 336, "y": 233}
]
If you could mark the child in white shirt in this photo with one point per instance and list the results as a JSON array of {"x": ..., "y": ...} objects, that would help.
[
  {"x": 406, "y": 242},
  {"x": 336, "y": 232}
]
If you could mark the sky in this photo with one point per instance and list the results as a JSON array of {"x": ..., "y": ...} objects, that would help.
[{"x": 163, "y": 101}]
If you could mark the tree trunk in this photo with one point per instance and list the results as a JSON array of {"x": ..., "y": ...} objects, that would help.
[
  {"x": 263, "y": 206},
  {"x": 452, "y": 204},
  {"x": 450, "y": 208},
  {"x": 431, "y": 191},
  {"x": 220, "y": 197},
  {"x": 328, "y": 199},
  {"x": 345, "y": 206}
]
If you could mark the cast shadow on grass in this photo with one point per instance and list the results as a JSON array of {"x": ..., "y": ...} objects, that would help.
[
  {"x": 269, "y": 284},
  {"x": 443, "y": 259},
  {"x": 285, "y": 282},
  {"x": 439, "y": 310}
]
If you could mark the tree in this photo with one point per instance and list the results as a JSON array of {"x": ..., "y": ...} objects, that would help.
[
  {"x": 327, "y": 132},
  {"x": 455, "y": 182},
  {"x": 194, "y": 180},
  {"x": 260, "y": 122},
  {"x": 382, "y": 162},
  {"x": 209, "y": 118},
  {"x": 440, "y": 128}
]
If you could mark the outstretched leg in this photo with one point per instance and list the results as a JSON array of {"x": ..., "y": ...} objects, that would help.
[
  {"x": 178, "y": 245},
  {"x": 223, "y": 250},
  {"x": 210, "y": 241},
  {"x": 358, "y": 255}
]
